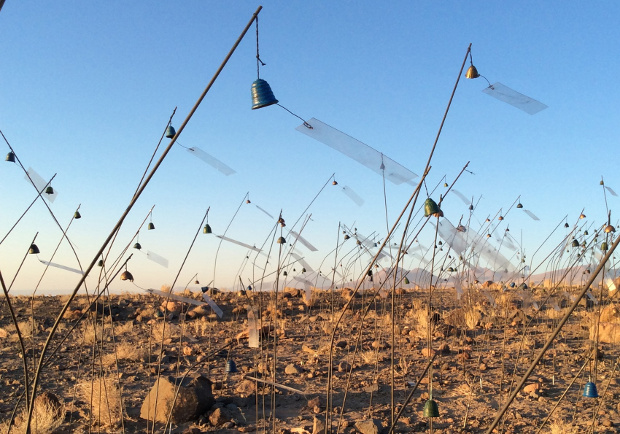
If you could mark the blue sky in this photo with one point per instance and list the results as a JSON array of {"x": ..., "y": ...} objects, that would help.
[{"x": 86, "y": 90}]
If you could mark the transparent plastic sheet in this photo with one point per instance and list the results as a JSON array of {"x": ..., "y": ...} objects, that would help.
[
  {"x": 307, "y": 286},
  {"x": 211, "y": 161},
  {"x": 609, "y": 189},
  {"x": 157, "y": 258},
  {"x": 253, "y": 334},
  {"x": 610, "y": 284},
  {"x": 40, "y": 184},
  {"x": 303, "y": 241},
  {"x": 269, "y": 215},
  {"x": 302, "y": 261},
  {"x": 175, "y": 297},
  {"x": 358, "y": 151},
  {"x": 531, "y": 214},
  {"x": 495, "y": 261},
  {"x": 451, "y": 236},
  {"x": 214, "y": 306},
  {"x": 353, "y": 195},
  {"x": 514, "y": 98},
  {"x": 461, "y": 196},
  {"x": 239, "y": 243},
  {"x": 62, "y": 267},
  {"x": 458, "y": 288}
]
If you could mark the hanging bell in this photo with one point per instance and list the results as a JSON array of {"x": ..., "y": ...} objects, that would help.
[
  {"x": 586, "y": 233},
  {"x": 471, "y": 207},
  {"x": 575, "y": 243},
  {"x": 285, "y": 273},
  {"x": 335, "y": 182},
  {"x": 431, "y": 409},
  {"x": 445, "y": 184},
  {"x": 100, "y": 263},
  {"x": 609, "y": 229},
  {"x": 207, "y": 229},
  {"x": 231, "y": 367},
  {"x": 77, "y": 215},
  {"x": 604, "y": 246},
  {"x": 500, "y": 218},
  {"x": 126, "y": 275},
  {"x": 346, "y": 237},
  {"x": 565, "y": 225},
  {"x": 196, "y": 282},
  {"x": 33, "y": 250},
  {"x": 10, "y": 157},
  {"x": 430, "y": 207},
  {"x": 519, "y": 205},
  {"x": 589, "y": 391},
  {"x": 137, "y": 246},
  {"x": 281, "y": 240},
  {"x": 472, "y": 72},
  {"x": 582, "y": 216},
  {"x": 170, "y": 132},
  {"x": 262, "y": 96},
  {"x": 49, "y": 190},
  {"x": 303, "y": 270},
  {"x": 406, "y": 281},
  {"x": 151, "y": 226},
  {"x": 248, "y": 201},
  {"x": 602, "y": 183}
]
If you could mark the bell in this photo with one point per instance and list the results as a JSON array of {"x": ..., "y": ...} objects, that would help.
[
  {"x": 346, "y": 237},
  {"x": 586, "y": 233},
  {"x": 589, "y": 391},
  {"x": 151, "y": 226},
  {"x": 303, "y": 270},
  {"x": 500, "y": 218},
  {"x": 262, "y": 96},
  {"x": 248, "y": 201},
  {"x": 249, "y": 287},
  {"x": 604, "y": 246},
  {"x": 231, "y": 367},
  {"x": 430, "y": 207},
  {"x": 565, "y": 225},
  {"x": 100, "y": 263},
  {"x": 471, "y": 207},
  {"x": 49, "y": 190},
  {"x": 609, "y": 228},
  {"x": 137, "y": 246},
  {"x": 10, "y": 157},
  {"x": 519, "y": 205},
  {"x": 126, "y": 275},
  {"x": 34, "y": 250},
  {"x": 445, "y": 184},
  {"x": 196, "y": 282},
  {"x": 285, "y": 273},
  {"x": 406, "y": 281},
  {"x": 575, "y": 243},
  {"x": 281, "y": 240},
  {"x": 170, "y": 132},
  {"x": 582, "y": 216},
  {"x": 602, "y": 183},
  {"x": 207, "y": 229},
  {"x": 431, "y": 409},
  {"x": 77, "y": 215},
  {"x": 472, "y": 72}
]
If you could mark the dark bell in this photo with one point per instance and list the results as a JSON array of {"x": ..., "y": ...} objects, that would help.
[
  {"x": 137, "y": 246},
  {"x": 472, "y": 72},
  {"x": 281, "y": 240},
  {"x": 231, "y": 367},
  {"x": 262, "y": 96},
  {"x": 170, "y": 132},
  {"x": 303, "y": 270},
  {"x": 406, "y": 281},
  {"x": 10, "y": 157},
  {"x": 335, "y": 182},
  {"x": 34, "y": 250},
  {"x": 249, "y": 287},
  {"x": 127, "y": 276},
  {"x": 151, "y": 226},
  {"x": 248, "y": 201},
  {"x": 196, "y": 282},
  {"x": 49, "y": 190},
  {"x": 575, "y": 243},
  {"x": 565, "y": 225},
  {"x": 430, "y": 207},
  {"x": 431, "y": 409},
  {"x": 346, "y": 237},
  {"x": 204, "y": 289},
  {"x": 285, "y": 273},
  {"x": 77, "y": 215},
  {"x": 519, "y": 205},
  {"x": 589, "y": 391},
  {"x": 100, "y": 263},
  {"x": 207, "y": 229},
  {"x": 604, "y": 246}
]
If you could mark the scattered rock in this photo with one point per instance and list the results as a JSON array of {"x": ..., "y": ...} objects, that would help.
[
  {"x": 219, "y": 417},
  {"x": 292, "y": 369},
  {"x": 370, "y": 426}
]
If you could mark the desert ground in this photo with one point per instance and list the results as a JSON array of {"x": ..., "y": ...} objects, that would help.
[{"x": 107, "y": 353}]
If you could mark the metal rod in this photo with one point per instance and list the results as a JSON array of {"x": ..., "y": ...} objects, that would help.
[
  {"x": 552, "y": 337},
  {"x": 124, "y": 215}
]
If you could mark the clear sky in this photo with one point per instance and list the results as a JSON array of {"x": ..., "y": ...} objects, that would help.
[{"x": 87, "y": 88}]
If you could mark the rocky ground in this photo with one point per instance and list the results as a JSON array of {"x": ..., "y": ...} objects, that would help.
[{"x": 107, "y": 357}]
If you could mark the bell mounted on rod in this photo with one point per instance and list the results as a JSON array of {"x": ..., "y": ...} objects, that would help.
[
  {"x": 207, "y": 229},
  {"x": 262, "y": 95},
  {"x": 49, "y": 190},
  {"x": 431, "y": 409},
  {"x": 77, "y": 215},
  {"x": 151, "y": 226},
  {"x": 430, "y": 208},
  {"x": 33, "y": 250},
  {"x": 281, "y": 240},
  {"x": 170, "y": 132},
  {"x": 589, "y": 391},
  {"x": 10, "y": 157},
  {"x": 126, "y": 275}
]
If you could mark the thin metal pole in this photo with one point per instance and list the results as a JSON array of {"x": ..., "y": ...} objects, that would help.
[
  {"x": 553, "y": 336},
  {"x": 124, "y": 215}
]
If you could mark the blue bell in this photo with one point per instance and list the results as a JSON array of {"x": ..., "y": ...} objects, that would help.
[
  {"x": 170, "y": 132},
  {"x": 262, "y": 96},
  {"x": 431, "y": 409},
  {"x": 589, "y": 391},
  {"x": 231, "y": 367},
  {"x": 10, "y": 157}
]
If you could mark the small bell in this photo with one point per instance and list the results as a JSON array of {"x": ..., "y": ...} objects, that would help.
[
  {"x": 285, "y": 273},
  {"x": 586, "y": 233},
  {"x": 445, "y": 184},
  {"x": 500, "y": 218},
  {"x": 335, "y": 182},
  {"x": 170, "y": 132},
  {"x": 262, "y": 95},
  {"x": 602, "y": 183},
  {"x": 248, "y": 201},
  {"x": 609, "y": 229},
  {"x": 575, "y": 243},
  {"x": 430, "y": 207},
  {"x": 207, "y": 229},
  {"x": 565, "y": 225},
  {"x": 281, "y": 240},
  {"x": 582, "y": 216},
  {"x": 519, "y": 205},
  {"x": 10, "y": 157},
  {"x": 100, "y": 263},
  {"x": 431, "y": 409},
  {"x": 137, "y": 246},
  {"x": 151, "y": 226},
  {"x": 34, "y": 250},
  {"x": 231, "y": 367},
  {"x": 303, "y": 270},
  {"x": 346, "y": 237},
  {"x": 77, "y": 215},
  {"x": 196, "y": 282},
  {"x": 406, "y": 281},
  {"x": 472, "y": 72},
  {"x": 49, "y": 190},
  {"x": 604, "y": 246},
  {"x": 126, "y": 275},
  {"x": 589, "y": 391}
]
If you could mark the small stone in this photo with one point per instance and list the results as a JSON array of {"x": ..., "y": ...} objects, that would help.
[
  {"x": 219, "y": 417},
  {"x": 531, "y": 388},
  {"x": 318, "y": 426},
  {"x": 369, "y": 426},
  {"x": 292, "y": 369}
]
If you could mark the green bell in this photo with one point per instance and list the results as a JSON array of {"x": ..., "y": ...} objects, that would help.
[
  {"x": 77, "y": 215},
  {"x": 430, "y": 207},
  {"x": 431, "y": 409},
  {"x": 170, "y": 132},
  {"x": 406, "y": 281},
  {"x": 262, "y": 95},
  {"x": 49, "y": 190},
  {"x": 207, "y": 229},
  {"x": 604, "y": 246}
]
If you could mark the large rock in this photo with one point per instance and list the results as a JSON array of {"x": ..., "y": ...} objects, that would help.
[
  {"x": 369, "y": 426},
  {"x": 194, "y": 398}
]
